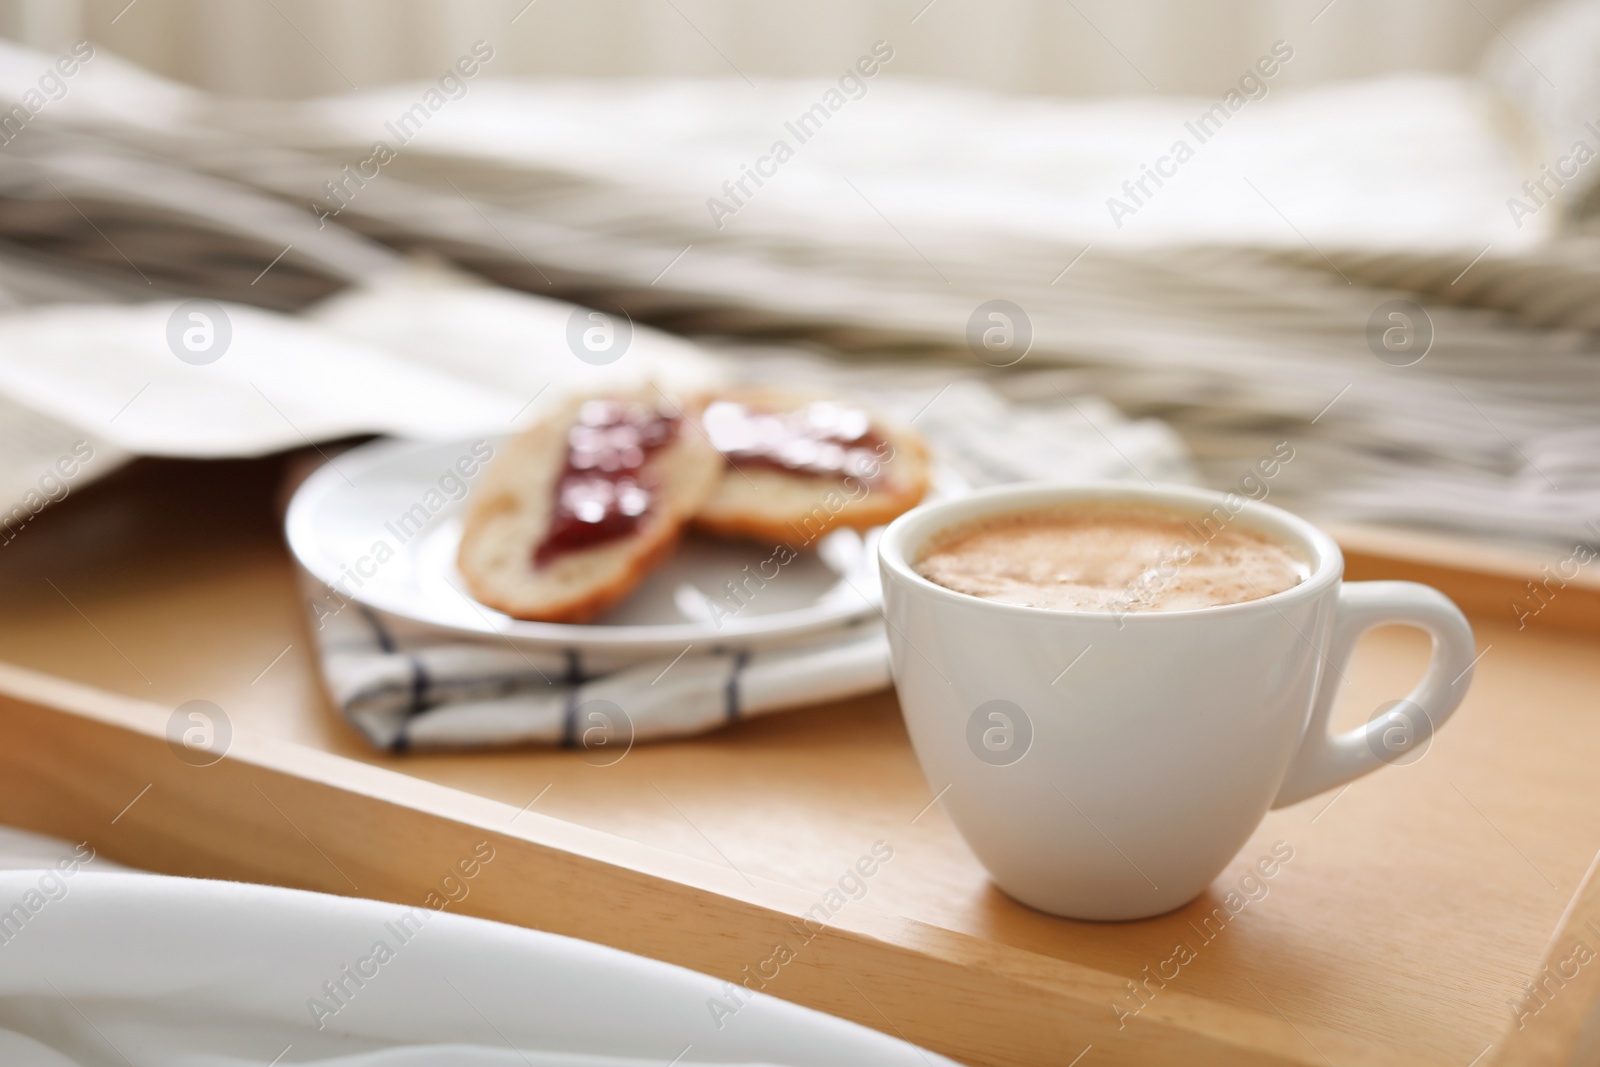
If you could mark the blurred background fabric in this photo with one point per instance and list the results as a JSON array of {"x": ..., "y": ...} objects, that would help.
[
  {"x": 1234, "y": 304},
  {"x": 303, "y": 48}
]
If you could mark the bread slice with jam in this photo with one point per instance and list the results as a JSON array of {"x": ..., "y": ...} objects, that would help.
[
  {"x": 799, "y": 466},
  {"x": 580, "y": 507}
]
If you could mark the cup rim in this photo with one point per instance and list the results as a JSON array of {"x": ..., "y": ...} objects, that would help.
[{"x": 906, "y": 534}]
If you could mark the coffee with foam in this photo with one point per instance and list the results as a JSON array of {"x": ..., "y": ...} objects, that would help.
[{"x": 1115, "y": 558}]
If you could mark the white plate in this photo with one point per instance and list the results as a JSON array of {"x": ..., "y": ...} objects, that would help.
[{"x": 342, "y": 512}]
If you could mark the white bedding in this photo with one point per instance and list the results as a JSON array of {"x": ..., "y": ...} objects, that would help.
[
  {"x": 1413, "y": 163},
  {"x": 112, "y": 968},
  {"x": 428, "y": 355},
  {"x": 1234, "y": 304}
]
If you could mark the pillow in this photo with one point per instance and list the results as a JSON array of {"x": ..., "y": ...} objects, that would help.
[{"x": 1547, "y": 67}]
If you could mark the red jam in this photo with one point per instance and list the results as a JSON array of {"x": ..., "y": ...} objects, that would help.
[
  {"x": 822, "y": 438},
  {"x": 604, "y": 491}
]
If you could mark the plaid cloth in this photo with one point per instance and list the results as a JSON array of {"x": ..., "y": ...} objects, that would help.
[{"x": 408, "y": 686}]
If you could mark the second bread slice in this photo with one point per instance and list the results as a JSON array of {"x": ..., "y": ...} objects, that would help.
[{"x": 802, "y": 465}]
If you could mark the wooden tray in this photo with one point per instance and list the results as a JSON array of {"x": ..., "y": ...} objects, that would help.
[{"x": 1416, "y": 905}]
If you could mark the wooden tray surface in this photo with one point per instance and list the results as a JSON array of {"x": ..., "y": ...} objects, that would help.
[{"x": 1416, "y": 905}]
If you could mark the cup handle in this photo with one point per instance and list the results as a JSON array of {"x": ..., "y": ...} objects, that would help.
[{"x": 1324, "y": 761}]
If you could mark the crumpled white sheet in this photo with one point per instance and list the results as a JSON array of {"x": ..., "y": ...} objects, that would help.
[
  {"x": 423, "y": 353},
  {"x": 1411, "y": 162},
  {"x": 919, "y": 201},
  {"x": 153, "y": 971}
]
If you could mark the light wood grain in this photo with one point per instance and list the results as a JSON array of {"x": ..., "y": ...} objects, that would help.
[
  {"x": 1529, "y": 590},
  {"x": 1417, "y": 902},
  {"x": 1557, "y": 1017},
  {"x": 72, "y": 759}
]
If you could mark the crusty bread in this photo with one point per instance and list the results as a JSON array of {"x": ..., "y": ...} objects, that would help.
[
  {"x": 761, "y": 503},
  {"x": 510, "y": 515}
]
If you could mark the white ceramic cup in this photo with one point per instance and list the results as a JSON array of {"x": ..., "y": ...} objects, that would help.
[{"x": 1108, "y": 766}]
